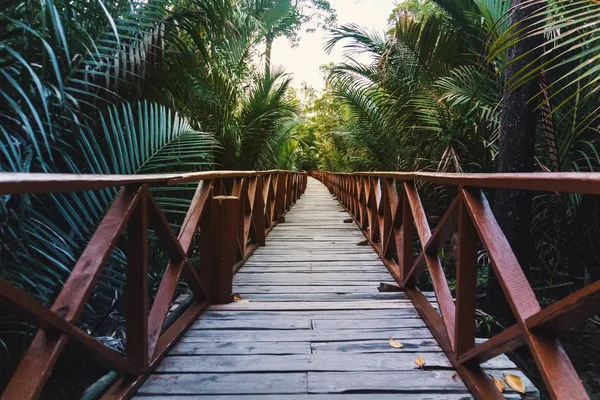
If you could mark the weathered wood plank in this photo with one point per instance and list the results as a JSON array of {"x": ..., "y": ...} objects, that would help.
[
  {"x": 323, "y": 297},
  {"x": 225, "y": 347},
  {"x": 321, "y": 278},
  {"x": 374, "y": 346},
  {"x": 256, "y": 324},
  {"x": 367, "y": 323},
  {"x": 191, "y": 384},
  {"x": 345, "y": 396},
  {"x": 398, "y": 361},
  {"x": 309, "y": 269},
  {"x": 410, "y": 381},
  {"x": 314, "y": 305},
  {"x": 304, "y": 335},
  {"x": 318, "y": 314}
]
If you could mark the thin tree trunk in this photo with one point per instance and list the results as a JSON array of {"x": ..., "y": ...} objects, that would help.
[
  {"x": 512, "y": 208},
  {"x": 268, "y": 52}
]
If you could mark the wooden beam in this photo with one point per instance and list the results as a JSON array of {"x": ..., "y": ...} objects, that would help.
[
  {"x": 574, "y": 308},
  {"x": 15, "y": 300}
]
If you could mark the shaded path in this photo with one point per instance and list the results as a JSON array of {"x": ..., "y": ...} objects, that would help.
[{"x": 312, "y": 323}]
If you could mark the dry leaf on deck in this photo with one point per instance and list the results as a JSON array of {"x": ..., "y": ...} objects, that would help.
[
  {"x": 236, "y": 297},
  {"x": 515, "y": 382},
  {"x": 420, "y": 362},
  {"x": 396, "y": 344},
  {"x": 499, "y": 384}
]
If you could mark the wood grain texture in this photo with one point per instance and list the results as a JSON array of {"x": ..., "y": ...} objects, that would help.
[{"x": 312, "y": 321}]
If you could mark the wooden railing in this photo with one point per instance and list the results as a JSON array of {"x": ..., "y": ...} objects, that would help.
[
  {"x": 388, "y": 209},
  {"x": 231, "y": 223}
]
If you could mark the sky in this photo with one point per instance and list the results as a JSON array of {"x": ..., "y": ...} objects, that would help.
[{"x": 304, "y": 61}]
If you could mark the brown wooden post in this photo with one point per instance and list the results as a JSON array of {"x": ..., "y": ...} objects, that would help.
[
  {"x": 258, "y": 209},
  {"x": 280, "y": 197},
  {"x": 466, "y": 284},
  {"x": 224, "y": 224},
  {"x": 136, "y": 300},
  {"x": 408, "y": 232}
]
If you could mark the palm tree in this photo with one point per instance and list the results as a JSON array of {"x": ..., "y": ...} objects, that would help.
[{"x": 123, "y": 87}]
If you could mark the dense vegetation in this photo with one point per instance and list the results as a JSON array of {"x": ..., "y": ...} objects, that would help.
[
  {"x": 138, "y": 86},
  {"x": 127, "y": 87}
]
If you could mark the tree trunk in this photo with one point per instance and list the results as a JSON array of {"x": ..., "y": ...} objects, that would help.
[
  {"x": 512, "y": 208},
  {"x": 268, "y": 52}
]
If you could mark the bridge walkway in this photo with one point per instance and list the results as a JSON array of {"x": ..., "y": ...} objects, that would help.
[{"x": 311, "y": 324}]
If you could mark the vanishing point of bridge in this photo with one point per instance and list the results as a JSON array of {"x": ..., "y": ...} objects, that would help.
[{"x": 307, "y": 320}]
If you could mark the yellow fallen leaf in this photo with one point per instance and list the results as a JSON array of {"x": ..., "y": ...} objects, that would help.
[
  {"x": 420, "y": 362},
  {"x": 515, "y": 382},
  {"x": 396, "y": 344},
  {"x": 499, "y": 384},
  {"x": 236, "y": 297}
]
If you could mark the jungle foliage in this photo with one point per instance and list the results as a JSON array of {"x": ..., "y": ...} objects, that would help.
[{"x": 126, "y": 87}]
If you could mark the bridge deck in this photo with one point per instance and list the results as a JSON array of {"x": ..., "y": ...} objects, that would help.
[{"x": 312, "y": 324}]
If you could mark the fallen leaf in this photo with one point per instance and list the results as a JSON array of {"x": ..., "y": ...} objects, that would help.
[
  {"x": 236, "y": 297},
  {"x": 396, "y": 344},
  {"x": 515, "y": 382},
  {"x": 499, "y": 384},
  {"x": 420, "y": 362}
]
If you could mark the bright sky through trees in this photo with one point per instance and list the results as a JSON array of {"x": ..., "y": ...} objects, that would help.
[{"x": 304, "y": 61}]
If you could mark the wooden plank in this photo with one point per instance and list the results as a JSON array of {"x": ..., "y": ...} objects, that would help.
[
  {"x": 313, "y": 305},
  {"x": 324, "y": 297},
  {"x": 371, "y": 287},
  {"x": 191, "y": 384},
  {"x": 225, "y": 347},
  {"x": 367, "y": 323},
  {"x": 284, "y": 263},
  {"x": 319, "y": 314},
  {"x": 308, "y": 268},
  {"x": 314, "y": 282},
  {"x": 374, "y": 346},
  {"x": 323, "y": 277},
  {"x": 244, "y": 323},
  {"x": 329, "y": 396},
  {"x": 409, "y": 381},
  {"x": 304, "y": 335},
  {"x": 399, "y": 361}
]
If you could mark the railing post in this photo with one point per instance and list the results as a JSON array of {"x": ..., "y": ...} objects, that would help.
[
  {"x": 466, "y": 284},
  {"x": 408, "y": 233},
  {"x": 224, "y": 224},
  {"x": 280, "y": 196},
  {"x": 258, "y": 210},
  {"x": 136, "y": 300}
]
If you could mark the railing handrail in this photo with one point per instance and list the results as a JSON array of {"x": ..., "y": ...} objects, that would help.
[
  {"x": 230, "y": 215},
  {"x": 38, "y": 183},
  {"x": 568, "y": 182},
  {"x": 388, "y": 209}
]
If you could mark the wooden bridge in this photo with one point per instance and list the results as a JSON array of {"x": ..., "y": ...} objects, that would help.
[{"x": 307, "y": 320}]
